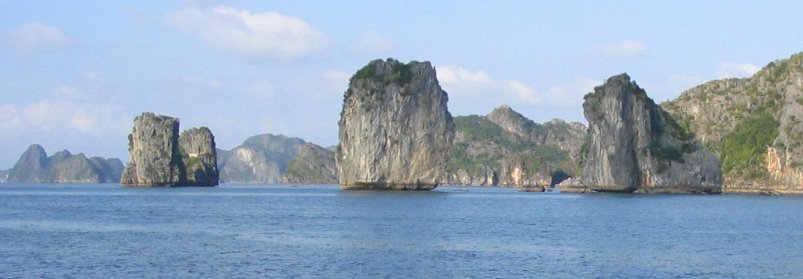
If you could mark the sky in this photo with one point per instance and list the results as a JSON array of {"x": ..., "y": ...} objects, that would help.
[{"x": 74, "y": 74}]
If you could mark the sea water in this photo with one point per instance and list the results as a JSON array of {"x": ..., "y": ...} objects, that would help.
[{"x": 301, "y": 231}]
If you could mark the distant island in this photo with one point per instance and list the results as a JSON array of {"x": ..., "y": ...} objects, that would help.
[
  {"x": 277, "y": 159},
  {"x": 35, "y": 166},
  {"x": 160, "y": 156}
]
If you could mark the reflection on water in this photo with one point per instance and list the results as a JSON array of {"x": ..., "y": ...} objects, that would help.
[{"x": 462, "y": 232}]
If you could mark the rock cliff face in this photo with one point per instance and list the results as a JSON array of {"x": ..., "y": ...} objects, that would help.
[
  {"x": 198, "y": 152},
  {"x": 156, "y": 158},
  {"x": 395, "y": 128},
  {"x": 276, "y": 158},
  {"x": 313, "y": 164},
  {"x": 633, "y": 145},
  {"x": 753, "y": 125},
  {"x": 505, "y": 148},
  {"x": 34, "y": 166}
]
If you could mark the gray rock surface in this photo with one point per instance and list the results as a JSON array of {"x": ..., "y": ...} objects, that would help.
[
  {"x": 313, "y": 164},
  {"x": 34, "y": 166},
  {"x": 395, "y": 128},
  {"x": 155, "y": 158},
  {"x": 160, "y": 157},
  {"x": 633, "y": 145},
  {"x": 199, "y": 155}
]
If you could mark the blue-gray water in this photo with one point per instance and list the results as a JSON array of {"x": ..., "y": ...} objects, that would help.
[{"x": 321, "y": 232}]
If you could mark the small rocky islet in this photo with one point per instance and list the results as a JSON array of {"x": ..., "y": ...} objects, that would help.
[
  {"x": 729, "y": 136},
  {"x": 395, "y": 128},
  {"x": 162, "y": 157}
]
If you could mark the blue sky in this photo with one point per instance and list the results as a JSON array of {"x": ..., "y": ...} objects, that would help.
[{"x": 75, "y": 73}]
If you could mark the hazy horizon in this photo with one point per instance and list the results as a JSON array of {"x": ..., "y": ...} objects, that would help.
[{"x": 76, "y": 73}]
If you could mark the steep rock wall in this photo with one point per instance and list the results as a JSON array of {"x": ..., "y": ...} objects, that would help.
[
  {"x": 395, "y": 128},
  {"x": 633, "y": 145}
]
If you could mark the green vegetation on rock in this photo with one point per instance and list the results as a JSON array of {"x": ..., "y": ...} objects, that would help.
[
  {"x": 747, "y": 143},
  {"x": 400, "y": 73},
  {"x": 478, "y": 128},
  {"x": 740, "y": 118},
  {"x": 297, "y": 168},
  {"x": 483, "y": 146}
]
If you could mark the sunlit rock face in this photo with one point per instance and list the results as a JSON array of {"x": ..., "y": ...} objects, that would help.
[
  {"x": 159, "y": 158},
  {"x": 198, "y": 153},
  {"x": 633, "y": 145},
  {"x": 395, "y": 128}
]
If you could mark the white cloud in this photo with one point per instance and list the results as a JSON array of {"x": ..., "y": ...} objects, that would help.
[
  {"x": 59, "y": 115},
  {"x": 522, "y": 91},
  {"x": 48, "y": 115},
  {"x": 476, "y": 92},
  {"x": 372, "y": 42},
  {"x": 625, "y": 49},
  {"x": 34, "y": 37},
  {"x": 83, "y": 109},
  {"x": 453, "y": 76},
  {"x": 477, "y": 85},
  {"x": 256, "y": 35},
  {"x": 736, "y": 70}
]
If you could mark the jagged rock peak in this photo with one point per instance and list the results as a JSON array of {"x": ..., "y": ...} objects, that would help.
[
  {"x": 160, "y": 158},
  {"x": 504, "y": 109},
  {"x": 395, "y": 128},
  {"x": 35, "y": 153},
  {"x": 153, "y": 146},
  {"x": 199, "y": 155},
  {"x": 505, "y": 113},
  {"x": 31, "y": 167},
  {"x": 633, "y": 145}
]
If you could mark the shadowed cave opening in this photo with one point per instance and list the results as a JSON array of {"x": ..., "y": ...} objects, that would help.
[{"x": 558, "y": 176}]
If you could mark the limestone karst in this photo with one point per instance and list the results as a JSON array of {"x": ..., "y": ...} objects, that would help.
[
  {"x": 34, "y": 166},
  {"x": 634, "y": 145},
  {"x": 753, "y": 125},
  {"x": 156, "y": 154},
  {"x": 395, "y": 128}
]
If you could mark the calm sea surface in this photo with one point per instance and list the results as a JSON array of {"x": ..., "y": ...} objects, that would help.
[{"x": 454, "y": 232}]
